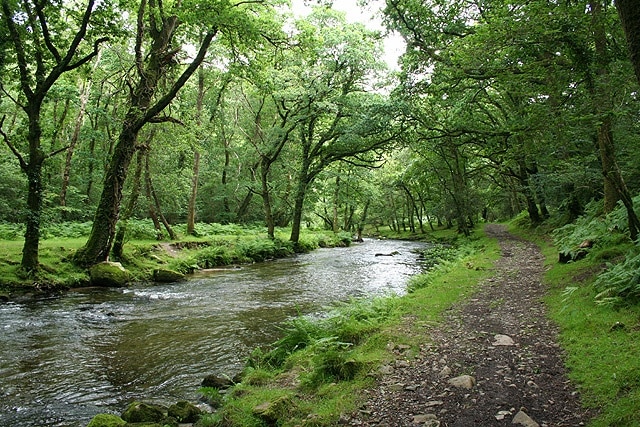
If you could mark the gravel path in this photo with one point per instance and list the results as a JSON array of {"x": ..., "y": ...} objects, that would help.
[{"x": 494, "y": 361}]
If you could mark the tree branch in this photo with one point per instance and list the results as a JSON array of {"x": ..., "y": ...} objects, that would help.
[
  {"x": 45, "y": 33},
  {"x": 165, "y": 119},
  {"x": 20, "y": 53},
  {"x": 23, "y": 164},
  {"x": 155, "y": 109},
  {"x": 58, "y": 151},
  {"x": 89, "y": 57}
]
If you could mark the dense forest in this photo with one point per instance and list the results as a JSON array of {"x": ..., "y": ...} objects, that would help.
[{"x": 240, "y": 112}]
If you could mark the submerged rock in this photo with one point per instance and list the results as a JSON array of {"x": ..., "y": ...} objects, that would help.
[
  {"x": 108, "y": 274},
  {"x": 167, "y": 276}
]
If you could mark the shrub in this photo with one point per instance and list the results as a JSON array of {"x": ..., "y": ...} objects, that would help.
[{"x": 621, "y": 282}]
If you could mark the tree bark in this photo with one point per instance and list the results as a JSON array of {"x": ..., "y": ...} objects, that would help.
[
  {"x": 118, "y": 244},
  {"x": 629, "y": 12},
  {"x": 191, "y": 214}
]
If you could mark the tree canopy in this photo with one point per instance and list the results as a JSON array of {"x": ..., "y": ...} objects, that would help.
[{"x": 239, "y": 111}]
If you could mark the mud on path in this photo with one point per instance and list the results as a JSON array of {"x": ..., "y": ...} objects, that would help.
[{"x": 493, "y": 361}]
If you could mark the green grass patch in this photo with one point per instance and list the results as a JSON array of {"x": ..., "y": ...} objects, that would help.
[
  {"x": 602, "y": 342},
  {"x": 321, "y": 366}
]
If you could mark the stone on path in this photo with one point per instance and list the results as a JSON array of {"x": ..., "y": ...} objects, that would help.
[
  {"x": 524, "y": 420},
  {"x": 463, "y": 381},
  {"x": 503, "y": 340}
]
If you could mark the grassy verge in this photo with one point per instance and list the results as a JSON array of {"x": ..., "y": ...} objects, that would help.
[
  {"x": 216, "y": 245},
  {"x": 602, "y": 343},
  {"x": 318, "y": 370}
]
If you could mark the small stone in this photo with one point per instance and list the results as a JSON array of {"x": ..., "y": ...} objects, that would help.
[
  {"x": 412, "y": 387},
  {"x": 463, "y": 381},
  {"x": 402, "y": 364},
  {"x": 502, "y": 414},
  {"x": 445, "y": 372},
  {"x": 524, "y": 420},
  {"x": 432, "y": 403},
  {"x": 502, "y": 340}
]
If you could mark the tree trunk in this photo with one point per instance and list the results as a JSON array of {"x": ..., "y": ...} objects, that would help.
[
  {"x": 629, "y": 12},
  {"x": 297, "y": 210},
  {"x": 66, "y": 173},
  {"x": 191, "y": 214},
  {"x": 103, "y": 230},
  {"x": 614, "y": 186},
  {"x": 266, "y": 198},
  {"x": 151, "y": 69},
  {"x": 118, "y": 244},
  {"x": 33, "y": 170}
]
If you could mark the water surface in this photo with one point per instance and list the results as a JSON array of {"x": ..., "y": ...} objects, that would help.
[{"x": 64, "y": 359}]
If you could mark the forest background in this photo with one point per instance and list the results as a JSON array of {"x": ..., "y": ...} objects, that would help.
[{"x": 183, "y": 112}]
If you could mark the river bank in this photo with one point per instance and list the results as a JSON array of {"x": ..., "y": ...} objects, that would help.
[{"x": 216, "y": 246}]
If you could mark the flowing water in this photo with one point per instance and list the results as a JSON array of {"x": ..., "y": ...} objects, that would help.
[{"x": 64, "y": 359}]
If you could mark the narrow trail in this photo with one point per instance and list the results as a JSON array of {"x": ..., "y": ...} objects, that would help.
[{"x": 493, "y": 361}]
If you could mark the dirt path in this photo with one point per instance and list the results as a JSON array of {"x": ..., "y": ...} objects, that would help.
[{"x": 498, "y": 348}]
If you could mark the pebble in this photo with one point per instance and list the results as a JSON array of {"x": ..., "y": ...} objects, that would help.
[
  {"x": 524, "y": 420},
  {"x": 463, "y": 381}
]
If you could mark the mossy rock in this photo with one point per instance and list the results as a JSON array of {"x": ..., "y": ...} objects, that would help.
[
  {"x": 106, "y": 420},
  {"x": 167, "y": 276},
  {"x": 185, "y": 412},
  {"x": 140, "y": 412},
  {"x": 109, "y": 274},
  {"x": 273, "y": 411}
]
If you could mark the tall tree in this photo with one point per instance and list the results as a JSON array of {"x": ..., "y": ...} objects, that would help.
[
  {"x": 156, "y": 53},
  {"x": 46, "y": 41}
]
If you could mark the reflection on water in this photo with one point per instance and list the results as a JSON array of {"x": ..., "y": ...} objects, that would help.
[{"x": 62, "y": 360}]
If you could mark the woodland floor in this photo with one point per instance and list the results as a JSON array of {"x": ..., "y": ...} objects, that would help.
[{"x": 499, "y": 346}]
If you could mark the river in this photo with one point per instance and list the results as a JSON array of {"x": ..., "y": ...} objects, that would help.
[{"x": 64, "y": 359}]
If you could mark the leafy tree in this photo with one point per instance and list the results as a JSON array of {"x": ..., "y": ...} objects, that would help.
[
  {"x": 156, "y": 48},
  {"x": 45, "y": 40}
]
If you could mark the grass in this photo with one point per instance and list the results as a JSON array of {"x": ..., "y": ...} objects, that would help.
[
  {"x": 602, "y": 343},
  {"x": 320, "y": 367}
]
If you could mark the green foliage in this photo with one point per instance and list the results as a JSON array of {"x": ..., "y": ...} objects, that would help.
[
  {"x": 332, "y": 361},
  {"x": 264, "y": 249},
  {"x": 299, "y": 333},
  {"x": 211, "y": 396},
  {"x": 620, "y": 284},
  {"x": 11, "y": 231},
  {"x": 592, "y": 227}
]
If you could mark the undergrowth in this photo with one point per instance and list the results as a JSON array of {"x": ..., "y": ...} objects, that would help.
[{"x": 603, "y": 239}]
